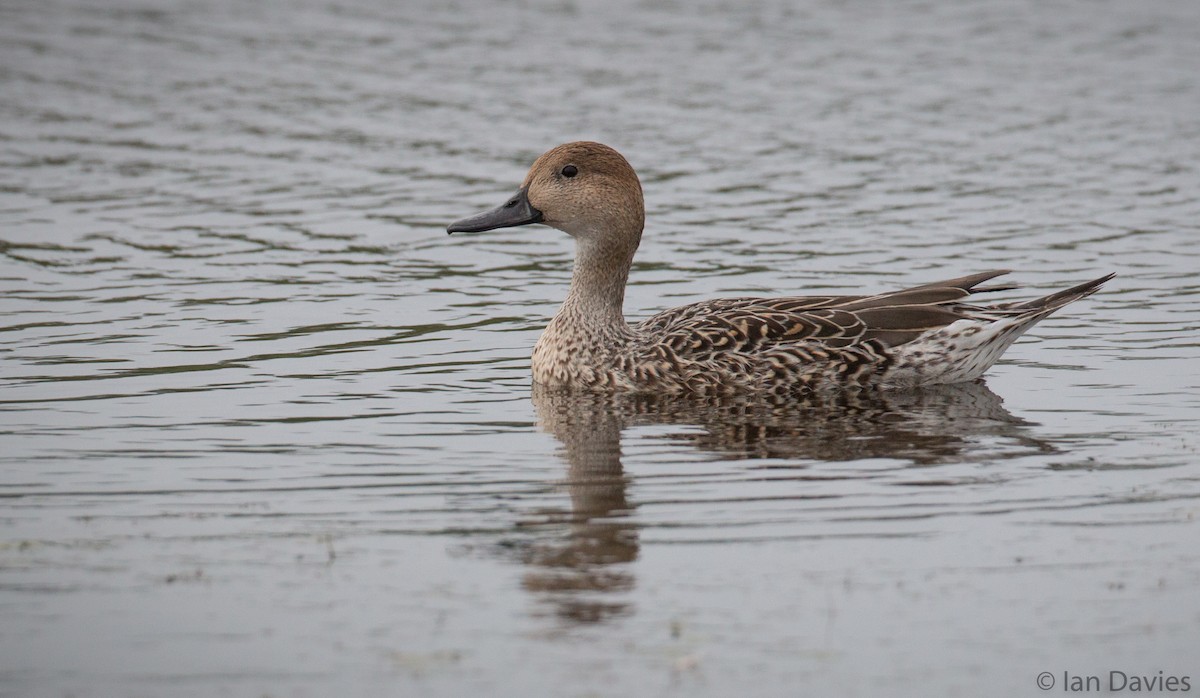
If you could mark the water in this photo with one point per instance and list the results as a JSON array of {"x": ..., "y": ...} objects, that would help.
[{"x": 267, "y": 430}]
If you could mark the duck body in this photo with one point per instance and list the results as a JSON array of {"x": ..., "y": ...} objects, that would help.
[{"x": 925, "y": 335}]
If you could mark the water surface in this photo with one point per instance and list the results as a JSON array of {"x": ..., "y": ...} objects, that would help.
[{"x": 266, "y": 430}]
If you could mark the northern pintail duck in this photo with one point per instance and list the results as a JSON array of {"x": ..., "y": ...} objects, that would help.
[{"x": 925, "y": 335}]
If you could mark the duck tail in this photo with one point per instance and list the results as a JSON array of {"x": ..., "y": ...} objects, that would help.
[
  {"x": 971, "y": 355},
  {"x": 1054, "y": 301}
]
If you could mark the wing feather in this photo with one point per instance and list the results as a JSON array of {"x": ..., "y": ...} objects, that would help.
[{"x": 751, "y": 325}]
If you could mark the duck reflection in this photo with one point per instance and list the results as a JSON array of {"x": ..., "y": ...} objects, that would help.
[
  {"x": 576, "y": 569},
  {"x": 577, "y": 572}
]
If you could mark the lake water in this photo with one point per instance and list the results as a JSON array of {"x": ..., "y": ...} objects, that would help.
[{"x": 266, "y": 430}]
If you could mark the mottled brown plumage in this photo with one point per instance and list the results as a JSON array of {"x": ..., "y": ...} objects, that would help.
[{"x": 924, "y": 335}]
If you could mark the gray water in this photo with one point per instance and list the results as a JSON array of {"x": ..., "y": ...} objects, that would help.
[{"x": 265, "y": 430}]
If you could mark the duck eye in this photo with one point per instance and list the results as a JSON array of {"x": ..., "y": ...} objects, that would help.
[{"x": 570, "y": 171}]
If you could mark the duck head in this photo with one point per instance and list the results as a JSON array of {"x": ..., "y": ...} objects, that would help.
[{"x": 587, "y": 190}]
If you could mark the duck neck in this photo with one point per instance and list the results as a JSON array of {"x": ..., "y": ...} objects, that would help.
[{"x": 597, "y": 292}]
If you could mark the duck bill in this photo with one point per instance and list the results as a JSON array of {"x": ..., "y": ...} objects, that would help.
[{"x": 516, "y": 211}]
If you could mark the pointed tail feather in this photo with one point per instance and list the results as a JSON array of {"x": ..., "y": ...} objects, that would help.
[
  {"x": 965, "y": 356},
  {"x": 1054, "y": 301}
]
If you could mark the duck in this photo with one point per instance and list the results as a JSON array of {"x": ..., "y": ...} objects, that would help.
[{"x": 936, "y": 333}]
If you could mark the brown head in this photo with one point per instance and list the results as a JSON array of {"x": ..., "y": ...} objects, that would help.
[{"x": 584, "y": 189}]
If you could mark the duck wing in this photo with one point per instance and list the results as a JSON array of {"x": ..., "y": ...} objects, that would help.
[{"x": 748, "y": 325}]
